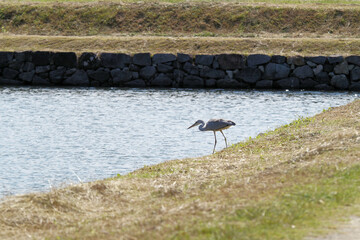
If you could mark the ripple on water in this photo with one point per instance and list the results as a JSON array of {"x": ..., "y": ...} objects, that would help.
[{"x": 55, "y": 135}]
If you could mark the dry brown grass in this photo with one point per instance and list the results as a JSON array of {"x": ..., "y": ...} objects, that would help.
[
  {"x": 178, "y": 198},
  {"x": 191, "y": 45}
]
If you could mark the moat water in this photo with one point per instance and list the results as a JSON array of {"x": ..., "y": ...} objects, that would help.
[{"x": 55, "y": 136}]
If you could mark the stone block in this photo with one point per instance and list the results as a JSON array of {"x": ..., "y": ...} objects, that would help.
[
  {"x": 163, "y": 58},
  {"x": 288, "y": 83},
  {"x": 323, "y": 87},
  {"x": 230, "y": 73},
  {"x": 193, "y": 82},
  {"x": 264, "y": 84},
  {"x": 57, "y": 75},
  {"x": 43, "y": 75},
  {"x": 20, "y": 56},
  {"x": 42, "y": 69},
  {"x": 16, "y": 65},
  {"x": 99, "y": 75},
  {"x": 134, "y": 68},
  {"x": 210, "y": 83},
  {"x": 135, "y": 75},
  {"x": 231, "y": 61},
  {"x": 328, "y": 68},
  {"x": 142, "y": 59},
  {"x": 231, "y": 83},
  {"x": 335, "y": 59},
  {"x": 257, "y": 59},
  {"x": 308, "y": 83},
  {"x": 66, "y": 59},
  {"x": 37, "y": 81},
  {"x": 355, "y": 74},
  {"x": 215, "y": 64},
  {"x": 41, "y": 58},
  {"x": 163, "y": 68},
  {"x": 248, "y": 75},
  {"x": 5, "y": 81},
  {"x": 205, "y": 60},
  {"x": 121, "y": 76},
  {"x": 341, "y": 68},
  {"x": 70, "y": 72},
  {"x": 207, "y": 72},
  {"x": 9, "y": 73},
  {"x": 95, "y": 83},
  {"x": 296, "y": 60},
  {"x": 354, "y": 86},
  {"x": 28, "y": 56},
  {"x": 88, "y": 60},
  {"x": 311, "y": 64},
  {"x": 79, "y": 78},
  {"x": 340, "y": 82},
  {"x": 162, "y": 80},
  {"x": 275, "y": 71},
  {"x": 178, "y": 76},
  {"x": 28, "y": 66},
  {"x": 27, "y": 76},
  {"x": 5, "y": 58},
  {"x": 278, "y": 59},
  {"x": 137, "y": 83},
  {"x": 322, "y": 77},
  {"x": 303, "y": 72},
  {"x": 317, "y": 59},
  {"x": 191, "y": 69},
  {"x": 147, "y": 72},
  {"x": 318, "y": 69},
  {"x": 114, "y": 60},
  {"x": 182, "y": 58},
  {"x": 353, "y": 60}
]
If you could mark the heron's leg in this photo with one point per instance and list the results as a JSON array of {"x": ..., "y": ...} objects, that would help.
[
  {"x": 215, "y": 142},
  {"x": 224, "y": 137}
]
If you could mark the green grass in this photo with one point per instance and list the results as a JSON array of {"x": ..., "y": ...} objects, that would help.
[{"x": 289, "y": 215}]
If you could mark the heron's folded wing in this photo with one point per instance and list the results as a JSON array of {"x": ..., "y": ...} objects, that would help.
[{"x": 218, "y": 124}]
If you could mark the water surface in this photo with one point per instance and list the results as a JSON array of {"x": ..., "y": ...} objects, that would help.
[{"x": 50, "y": 136}]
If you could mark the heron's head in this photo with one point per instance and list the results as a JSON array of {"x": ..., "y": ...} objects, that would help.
[{"x": 198, "y": 122}]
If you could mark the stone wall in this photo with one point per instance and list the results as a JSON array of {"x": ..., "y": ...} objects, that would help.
[{"x": 235, "y": 71}]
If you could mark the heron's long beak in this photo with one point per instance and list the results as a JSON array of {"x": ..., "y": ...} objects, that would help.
[{"x": 192, "y": 126}]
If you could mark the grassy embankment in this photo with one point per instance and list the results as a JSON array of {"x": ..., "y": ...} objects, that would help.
[
  {"x": 274, "y": 27},
  {"x": 283, "y": 184}
]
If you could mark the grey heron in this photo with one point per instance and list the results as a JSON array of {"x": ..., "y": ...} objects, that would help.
[{"x": 214, "y": 125}]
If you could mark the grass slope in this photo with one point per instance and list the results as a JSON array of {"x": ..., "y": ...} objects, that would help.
[
  {"x": 302, "y": 2},
  {"x": 195, "y": 27},
  {"x": 177, "y": 19},
  {"x": 189, "y": 45},
  {"x": 283, "y": 184}
]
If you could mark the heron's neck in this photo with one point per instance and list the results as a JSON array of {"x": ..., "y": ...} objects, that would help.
[{"x": 201, "y": 127}]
